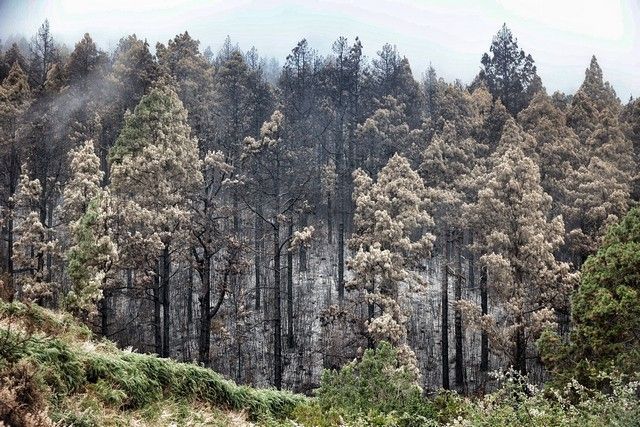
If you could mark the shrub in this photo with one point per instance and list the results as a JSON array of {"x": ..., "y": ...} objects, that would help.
[
  {"x": 377, "y": 388},
  {"x": 518, "y": 404}
]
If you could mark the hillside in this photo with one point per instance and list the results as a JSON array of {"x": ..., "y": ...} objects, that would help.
[{"x": 54, "y": 372}]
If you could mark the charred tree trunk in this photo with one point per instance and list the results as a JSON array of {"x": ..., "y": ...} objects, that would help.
[
  {"x": 302, "y": 250},
  {"x": 329, "y": 220},
  {"x": 204, "y": 339},
  {"x": 277, "y": 316},
  {"x": 104, "y": 313},
  {"x": 277, "y": 300},
  {"x": 166, "y": 275},
  {"x": 371, "y": 311},
  {"x": 339, "y": 159},
  {"x": 341, "y": 259},
  {"x": 520, "y": 351},
  {"x": 157, "y": 321},
  {"x": 290, "y": 336},
  {"x": 444, "y": 289},
  {"x": 484, "y": 338},
  {"x": 257, "y": 237},
  {"x": 459, "y": 333}
]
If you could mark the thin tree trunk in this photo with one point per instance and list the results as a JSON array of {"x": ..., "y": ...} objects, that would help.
[
  {"x": 339, "y": 156},
  {"x": 290, "y": 336},
  {"x": 277, "y": 320},
  {"x": 444, "y": 290},
  {"x": 329, "y": 219},
  {"x": 302, "y": 250},
  {"x": 104, "y": 314},
  {"x": 189, "y": 324},
  {"x": 459, "y": 334},
  {"x": 166, "y": 274},
  {"x": 371, "y": 311},
  {"x": 257, "y": 256},
  {"x": 277, "y": 316},
  {"x": 484, "y": 338},
  {"x": 341, "y": 259},
  {"x": 520, "y": 351},
  {"x": 157, "y": 304},
  {"x": 204, "y": 339}
]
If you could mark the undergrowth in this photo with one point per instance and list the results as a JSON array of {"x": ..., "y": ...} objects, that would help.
[
  {"x": 53, "y": 373},
  {"x": 66, "y": 365}
]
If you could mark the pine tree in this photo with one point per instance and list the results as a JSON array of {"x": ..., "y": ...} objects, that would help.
[
  {"x": 557, "y": 146},
  {"x": 594, "y": 100},
  {"x": 605, "y": 311},
  {"x": 391, "y": 75},
  {"x": 92, "y": 254},
  {"x": 509, "y": 73},
  {"x": 517, "y": 240},
  {"x": 32, "y": 244},
  {"x": 631, "y": 117},
  {"x": 15, "y": 97},
  {"x": 384, "y": 134},
  {"x": 84, "y": 61},
  {"x": 44, "y": 53},
  {"x": 390, "y": 240},
  {"x": 154, "y": 170},
  {"x": 446, "y": 166}
]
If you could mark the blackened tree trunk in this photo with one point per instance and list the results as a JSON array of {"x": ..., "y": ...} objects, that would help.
[
  {"x": 302, "y": 250},
  {"x": 459, "y": 333},
  {"x": 290, "y": 336},
  {"x": 277, "y": 300},
  {"x": 104, "y": 314},
  {"x": 371, "y": 311},
  {"x": 520, "y": 351},
  {"x": 329, "y": 220},
  {"x": 341, "y": 258},
  {"x": 277, "y": 314},
  {"x": 444, "y": 289},
  {"x": 189, "y": 323},
  {"x": 204, "y": 338},
  {"x": 166, "y": 275},
  {"x": 157, "y": 321},
  {"x": 257, "y": 255},
  {"x": 484, "y": 338},
  {"x": 340, "y": 175}
]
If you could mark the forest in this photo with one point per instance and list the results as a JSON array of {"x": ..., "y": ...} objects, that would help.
[{"x": 313, "y": 226}]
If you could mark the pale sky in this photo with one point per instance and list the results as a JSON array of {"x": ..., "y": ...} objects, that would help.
[{"x": 561, "y": 35}]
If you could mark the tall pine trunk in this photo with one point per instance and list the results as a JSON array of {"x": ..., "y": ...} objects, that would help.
[
  {"x": 157, "y": 308},
  {"x": 329, "y": 219},
  {"x": 290, "y": 336},
  {"x": 484, "y": 338},
  {"x": 520, "y": 351},
  {"x": 302, "y": 250},
  {"x": 166, "y": 275},
  {"x": 339, "y": 158},
  {"x": 257, "y": 237},
  {"x": 204, "y": 338},
  {"x": 277, "y": 315},
  {"x": 459, "y": 333},
  {"x": 444, "y": 289}
]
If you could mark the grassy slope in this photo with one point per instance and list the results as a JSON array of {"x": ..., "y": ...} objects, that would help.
[{"x": 84, "y": 381}]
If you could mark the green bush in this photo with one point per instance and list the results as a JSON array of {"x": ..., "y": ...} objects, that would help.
[{"x": 377, "y": 389}]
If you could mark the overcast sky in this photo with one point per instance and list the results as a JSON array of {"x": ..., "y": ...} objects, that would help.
[{"x": 561, "y": 35}]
